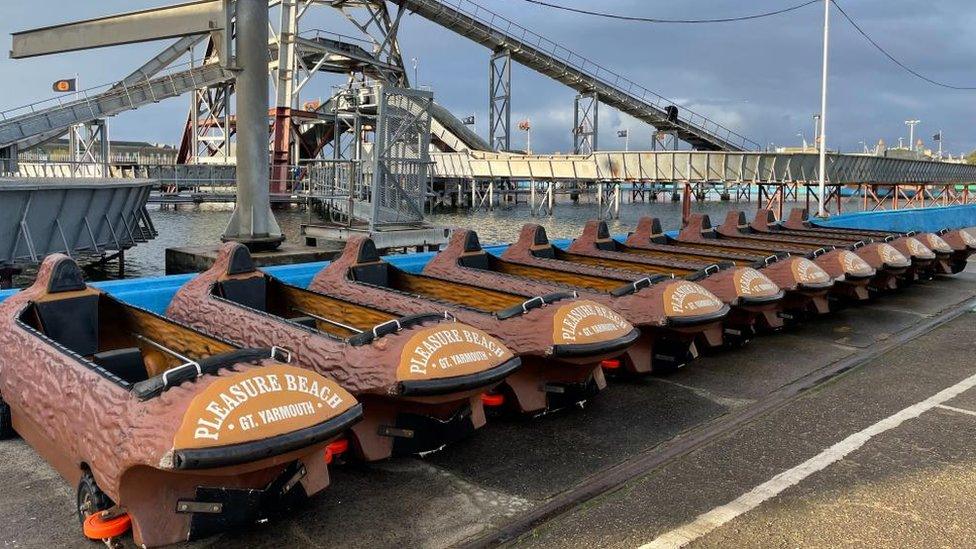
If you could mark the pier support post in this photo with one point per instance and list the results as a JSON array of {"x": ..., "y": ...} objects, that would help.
[
  {"x": 586, "y": 123},
  {"x": 252, "y": 223},
  {"x": 500, "y": 100}
]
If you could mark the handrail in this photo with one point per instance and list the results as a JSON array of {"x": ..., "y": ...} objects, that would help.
[{"x": 513, "y": 31}]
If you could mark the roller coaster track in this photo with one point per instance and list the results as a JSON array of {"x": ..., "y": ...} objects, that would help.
[{"x": 494, "y": 31}]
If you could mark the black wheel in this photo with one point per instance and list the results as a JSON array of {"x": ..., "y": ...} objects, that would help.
[
  {"x": 6, "y": 423},
  {"x": 91, "y": 499}
]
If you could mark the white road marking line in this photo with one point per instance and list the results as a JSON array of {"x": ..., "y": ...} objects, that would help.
[
  {"x": 719, "y": 516},
  {"x": 954, "y": 409}
]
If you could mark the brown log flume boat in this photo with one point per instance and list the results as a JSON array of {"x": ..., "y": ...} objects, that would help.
[
  {"x": 889, "y": 263},
  {"x": 162, "y": 428},
  {"x": 951, "y": 247},
  {"x": 755, "y": 301},
  {"x": 806, "y": 285},
  {"x": 850, "y": 274},
  {"x": 419, "y": 377},
  {"x": 924, "y": 260},
  {"x": 561, "y": 339},
  {"x": 671, "y": 313}
]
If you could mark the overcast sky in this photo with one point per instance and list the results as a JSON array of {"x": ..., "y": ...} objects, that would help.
[{"x": 760, "y": 78}]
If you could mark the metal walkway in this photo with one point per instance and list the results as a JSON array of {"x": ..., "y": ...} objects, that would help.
[
  {"x": 699, "y": 167},
  {"x": 559, "y": 63},
  {"x": 119, "y": 98}
]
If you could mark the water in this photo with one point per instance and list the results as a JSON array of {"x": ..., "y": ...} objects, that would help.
[{"x": 188, "y": 225}]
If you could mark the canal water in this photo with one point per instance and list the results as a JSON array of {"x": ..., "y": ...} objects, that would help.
[{"x": 188, "y": 225}]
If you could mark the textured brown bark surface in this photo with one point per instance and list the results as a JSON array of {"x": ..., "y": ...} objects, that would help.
[
  {"x": 78, "y": 419},
  {"x": 527, "y": 334}
]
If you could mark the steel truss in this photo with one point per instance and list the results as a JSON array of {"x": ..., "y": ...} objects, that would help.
[
  {"x": 500, "y": 100},
  {"x": 586, "y": 111}
]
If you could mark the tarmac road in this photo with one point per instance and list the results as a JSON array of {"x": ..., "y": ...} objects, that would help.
[{"x": 910, "y": 485}]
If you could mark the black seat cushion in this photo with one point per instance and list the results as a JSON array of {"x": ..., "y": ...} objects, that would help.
[
  {"x": 545, "y": 253},
  {"x": 126, "y": 363},
  {"x": 71, "y": 322},
  {"x": 606, "y": 245},
  {"x": 377, "y": 274},
  {"x": 249, "y": 292},
  {"x": 476, "y": 261}
]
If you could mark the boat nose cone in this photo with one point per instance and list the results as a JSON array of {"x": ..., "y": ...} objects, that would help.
[
  {"x": 258, "y": 404},
  {"x": 936, "y": 243},
  {"x": 967, "y": 238},
  {"x": 854, "y": 265},
  {"x": 808, "y": 272},
  {"x": 450, "y": 350},
  {"x": 751, "y": 283},
  {"x": 919, "y": 250},
  {"x": 891, "y": 256},
  {"x": 584, "y": 321},
  {"x": 685, "y": 298}
]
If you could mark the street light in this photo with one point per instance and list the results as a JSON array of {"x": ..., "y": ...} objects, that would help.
[
  {"x": 822, "y": 210},
  {"x": 911, "y": 133},
  {"x": 416, "y": 72},
  {"x": 803, "y": 138}
]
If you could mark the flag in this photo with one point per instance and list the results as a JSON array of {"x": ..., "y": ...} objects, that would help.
[
  {"x": 65, "y": 85},
  {"x": 468, "y": 121},
  {"x": 622, "y": 133},
  {"x": 937, "y": 137}
]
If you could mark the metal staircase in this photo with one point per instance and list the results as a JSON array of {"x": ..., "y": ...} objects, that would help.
[
  {"x": 30, "y": 122},
  {"x": 494, "y": 31}
]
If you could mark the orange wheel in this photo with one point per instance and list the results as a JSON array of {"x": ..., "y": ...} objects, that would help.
[
  {"x": 335, "y": 448},
  {"x": 493, "y": 400},
  {"x": 98, "y": 528},
  {"x": 338, "y": 446}
]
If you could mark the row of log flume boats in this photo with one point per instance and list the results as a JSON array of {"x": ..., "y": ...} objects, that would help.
[{"x": 233, "y": 405}]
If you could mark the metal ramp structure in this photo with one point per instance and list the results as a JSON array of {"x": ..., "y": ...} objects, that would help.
[
  {"x": 41, "y": 122},
  {"x": 509, "y": 39}
]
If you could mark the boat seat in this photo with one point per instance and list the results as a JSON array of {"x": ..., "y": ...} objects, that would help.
[
  {"x": 606, "y": 245},
  {"x": 544, "y": 253},
  {"x": 250, "y": 292},
  {"x": 72, "y": 322},
  {"x": 377, "y": 274},
  {"x": 125, "y": 363},
  {"x": 475, "y": 261},
  {"x": 306, "y": 321}
]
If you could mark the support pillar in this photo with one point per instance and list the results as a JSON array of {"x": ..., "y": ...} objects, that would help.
[
  {"x": 252, "y": 222},
  {"x": 586, "y": 123},
  {"x": 500, "y": 100}
]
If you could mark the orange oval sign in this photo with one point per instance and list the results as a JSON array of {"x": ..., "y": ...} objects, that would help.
[
  {"x": 750, "y": 282},
  {"x": 917, "y": 249},
  {"x": 686, "y": 298},
  {"x": 935, "y": 242},
  {"x": 448, "y": 351},
  {"x": 854, "y": 265},
  {"x": 587, "y": 322},
  {"x": 258, "y": 404},
  {"x": 892, "y": 256},
  {"x": 808, "y": 272}
]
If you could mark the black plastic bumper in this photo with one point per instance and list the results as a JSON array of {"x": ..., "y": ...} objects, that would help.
[
  {"x": 575, "y": 350},
  {"x": 235, "y": 454},
  {"x": 430, "y": 387},
  {"x": 687, "y": 321}
]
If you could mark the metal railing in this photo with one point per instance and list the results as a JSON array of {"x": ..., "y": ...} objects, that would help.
[{"x": 513, "y": 30}]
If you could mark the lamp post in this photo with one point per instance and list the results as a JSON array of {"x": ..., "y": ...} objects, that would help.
[
  {"x": 416, "y": 72},
  {"x": 822, "y": 210},
  {"x": 911, "y": 133}
]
